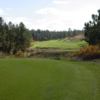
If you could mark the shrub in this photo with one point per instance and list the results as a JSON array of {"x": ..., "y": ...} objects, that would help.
[
  {"x": 89, "y": 52},
  {"x": 19, "y": 54}
]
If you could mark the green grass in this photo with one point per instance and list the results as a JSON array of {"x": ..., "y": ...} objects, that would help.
[
  {"x": 62, "y": 44},
  {"x": 40, "y": 79}
]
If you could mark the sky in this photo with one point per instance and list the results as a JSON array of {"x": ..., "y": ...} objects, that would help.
[{"x": 49, "y": 14}]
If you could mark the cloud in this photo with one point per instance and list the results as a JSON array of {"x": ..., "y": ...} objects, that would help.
[
  {"x": 57, "y": 15},
  {"x": 17, "y": 20},
  {"x": 48, "y": 10},
  {"x": 1, "y": 11},
  {"x": 63, "y": 14},
  {"x": 64, "y": 2},
  {"x": 8, "y": 9}
]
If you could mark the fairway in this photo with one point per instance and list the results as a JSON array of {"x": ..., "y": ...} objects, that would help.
[
  {"x": 36, "y": 79},
  {"x": 61, "y": 44}
]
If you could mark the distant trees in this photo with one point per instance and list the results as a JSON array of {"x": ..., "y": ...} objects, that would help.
[
  {"x": 92, "y": 30},
  {"x": 13, "y": 38},
  {"x": 41, "y": 35}
]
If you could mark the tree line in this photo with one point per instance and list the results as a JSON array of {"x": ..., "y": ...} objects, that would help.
[
  {"x": 17, "y": 37},
  {"x": 41, "y": 35},
  {"x": 13, "y": 37}
]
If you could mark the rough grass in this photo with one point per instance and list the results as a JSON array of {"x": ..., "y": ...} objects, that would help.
[
  {"x": 62, "y": 44},
  {"x": 40, "y": 79}
]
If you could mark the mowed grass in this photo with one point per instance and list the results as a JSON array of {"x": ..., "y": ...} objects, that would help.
[
  {"x": 40, "y": 79},
  {"x": 61, "y": 44}
]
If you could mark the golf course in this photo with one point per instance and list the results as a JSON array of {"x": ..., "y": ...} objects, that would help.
[
  {"x": 45, "y": 79},
  {"x": 49, "y": 50}
]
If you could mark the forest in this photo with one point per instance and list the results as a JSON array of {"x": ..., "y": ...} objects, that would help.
[{"x": 40, "y": 35}]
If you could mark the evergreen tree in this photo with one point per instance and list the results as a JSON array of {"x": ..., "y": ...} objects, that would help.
[
  {"x": 13, "y": 37},
  {"x": 92, "y": 30}
]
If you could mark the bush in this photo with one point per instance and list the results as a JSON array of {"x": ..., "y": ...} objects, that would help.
[
  {"x": 2, "y": 55},
  {"x": 89, "y": 52},
  {"x": 19, "y": 54}
]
